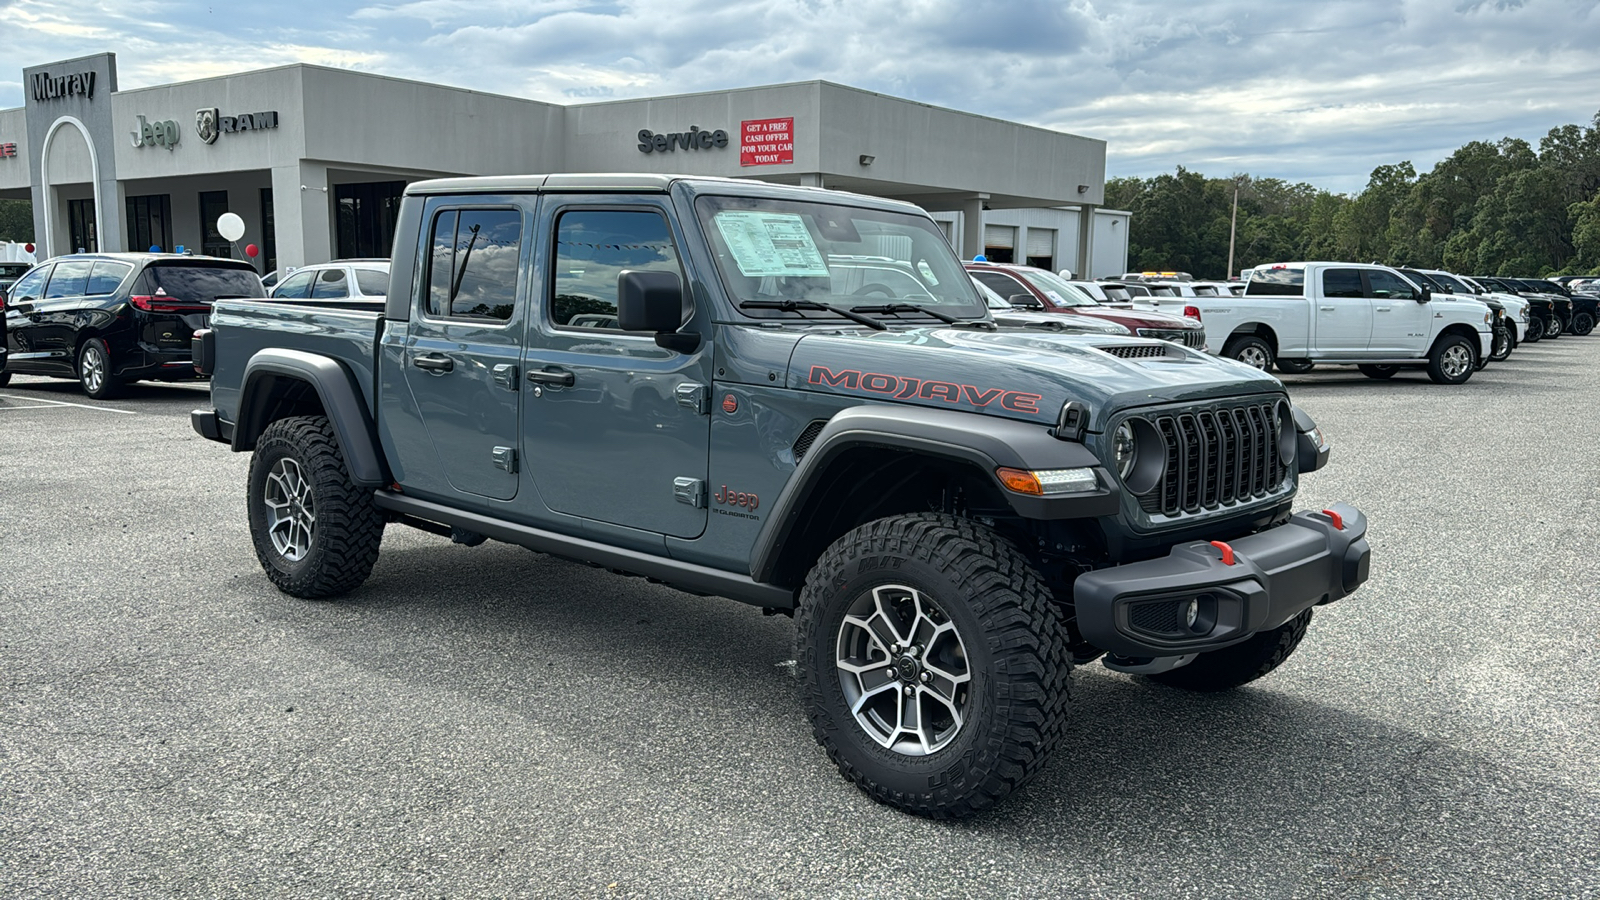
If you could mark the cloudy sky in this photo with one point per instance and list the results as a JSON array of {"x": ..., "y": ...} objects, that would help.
[{"x": 1306, "y": 91}]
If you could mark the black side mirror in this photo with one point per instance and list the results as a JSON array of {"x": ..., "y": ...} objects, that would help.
[
  {"x": 1025, "y": 301},
  {"x": 653, "y": 302},
  {"x": 1426, "y": 295}
]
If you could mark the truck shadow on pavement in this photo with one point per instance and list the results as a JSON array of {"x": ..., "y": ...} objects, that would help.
[{"x": 1278, "y": 787}]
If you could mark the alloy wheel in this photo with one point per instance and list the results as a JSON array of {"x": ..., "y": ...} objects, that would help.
[
  {"x": 291, "y": 512},
  {"x": 1456, "y": 361},
  {"x": 903, "y": 668},
  {"x": 1253, "y": 357},
  {"x": 92, "y": 368}
]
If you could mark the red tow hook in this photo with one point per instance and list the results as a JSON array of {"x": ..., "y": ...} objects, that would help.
[
  {"x": 1338, "y": 520},
  {"x": 1227, "y": 552}
]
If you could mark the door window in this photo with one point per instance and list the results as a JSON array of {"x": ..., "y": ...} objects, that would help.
[
  {"x": 106, "y": 276},
  {"x": 295, "y": 287},
  {"x": 30, "y": 286},
  {"x": 372, "y": 282},
  {"x": 592, "y": 248},
  {"x": 472, "y": 266},
  {"x": 70, "y": 279},
  {"x": 1342, "y": 283},
  {"x": 1388, "y": 286},
  {"x": 1004, "y": 285},
  {"x": 331, "y": 283}
]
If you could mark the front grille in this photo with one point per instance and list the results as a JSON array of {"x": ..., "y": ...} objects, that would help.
[
  {"x": 806, "y": 439},
  {"x": 1189, "y": 337},
  {"x": 1216, "y": 458},
  {"x": 1135, "y": 351}
]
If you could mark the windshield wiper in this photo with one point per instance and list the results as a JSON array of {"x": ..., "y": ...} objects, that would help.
[
  {"x": 797, "y": 305},
  {"x": 892, "y": 308}
]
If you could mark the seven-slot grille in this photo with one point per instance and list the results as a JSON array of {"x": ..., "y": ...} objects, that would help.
[
  {"x": 1215, "y": 458},
  {"x": 1189, "y": 337}
]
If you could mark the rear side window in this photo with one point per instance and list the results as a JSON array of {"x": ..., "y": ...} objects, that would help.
[
  {"x": 106, "y": 276},
  {"x": 1004, "y": 285},
  {"x": 472, "y": 264},
  {"x": 372, "y": 282},
  {"x": 1342, "y": 283},
  {"x": 1283, "y": 282},
  {"x": 70, "y": 279},
  {"x": 202, "y": 283},
  {"x": 331, "y": 284},
  {"x": 592, "y": 248}
]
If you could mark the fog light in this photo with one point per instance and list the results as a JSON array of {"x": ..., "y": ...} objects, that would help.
[{"x": 1191, "y": 613}]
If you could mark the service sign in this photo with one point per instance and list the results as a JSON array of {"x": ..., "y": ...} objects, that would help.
[{"x": 766, "y": 142}]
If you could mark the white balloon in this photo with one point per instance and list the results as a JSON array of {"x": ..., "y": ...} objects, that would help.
[{"x": 230, "y": 226}]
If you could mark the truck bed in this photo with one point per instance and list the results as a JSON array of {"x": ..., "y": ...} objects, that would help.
[{"x": 346, "y": 330}]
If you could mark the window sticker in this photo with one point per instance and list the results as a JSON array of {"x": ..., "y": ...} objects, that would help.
[
  {"x": 1056, "y": 297},
  {"x": 770, "y": 243}
]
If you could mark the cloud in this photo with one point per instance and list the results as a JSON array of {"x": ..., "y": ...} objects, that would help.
[{"x": 1298, "y": 89}]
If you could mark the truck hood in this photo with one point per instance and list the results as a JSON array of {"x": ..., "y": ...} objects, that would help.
[{"x": 1018, "y": 375}]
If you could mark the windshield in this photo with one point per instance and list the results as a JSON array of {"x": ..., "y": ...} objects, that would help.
[
  {"x": 202, "y": 282},
  {"x": 769, "y": 249},
  {"x": 1092, "y": 290},
  {"x": 1453, "y": 284},
  {"x": 1056, "y": 288}
]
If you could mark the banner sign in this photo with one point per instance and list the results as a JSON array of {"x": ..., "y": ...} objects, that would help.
[{"x": 766, "y": 142}]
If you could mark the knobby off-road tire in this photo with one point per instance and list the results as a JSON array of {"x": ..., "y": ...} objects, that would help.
[
  {"x": 1252, "y": 351},
  {"x": 1453, "y": 360},
  {"x": 997, "y": 658},
  {"x": 1230, "y": 667},
  {"x": 94, "y": 370},
  {"x": 315, "y": 532}
]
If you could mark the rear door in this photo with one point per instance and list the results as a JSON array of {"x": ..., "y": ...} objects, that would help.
[
  {"x": 1343, "y": 314},
  {"x": 1400, "y": 325},
  {"x": 464, "y": 343},
  {"x": 619, "y": 426}
]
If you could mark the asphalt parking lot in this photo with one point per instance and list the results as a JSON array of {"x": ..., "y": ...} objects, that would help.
[{"x": 490, "y": 722}]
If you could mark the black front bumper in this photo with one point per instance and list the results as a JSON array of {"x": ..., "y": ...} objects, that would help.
[{"x": 1191, "y": 601}]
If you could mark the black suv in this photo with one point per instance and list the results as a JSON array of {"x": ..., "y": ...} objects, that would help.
[{"x": 111, "y": 318}]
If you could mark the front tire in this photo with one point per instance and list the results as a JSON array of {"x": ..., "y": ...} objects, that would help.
[
  {"x": 1224, "y": 669},
  {"x": 94, "y": 370},
  {"x": 1295, "y": 366},
  {"x": 1535, "y": 331},
  {"x": 1582, "y": 324},
  {"x": 1250, "y": 350},
  {"x": 933, "y": 663},
  {"x": 1378, "y": 372},
  {"x": 1452, "y": 361},
  {"x": 1502, "y": 346},
  {"x": 315, "y": 532},
  {"x": 1554, "y": 328}
]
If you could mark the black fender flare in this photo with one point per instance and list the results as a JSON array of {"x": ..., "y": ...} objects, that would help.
[
  {"x": 341, "y": 400},
  {"x": 988, "y": 442}
]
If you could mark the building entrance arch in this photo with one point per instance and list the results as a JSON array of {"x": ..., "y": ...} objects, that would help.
[{"x": 49, "y": 195}]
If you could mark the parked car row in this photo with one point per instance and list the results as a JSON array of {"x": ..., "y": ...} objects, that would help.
[{"x": 1298, "y": 315}]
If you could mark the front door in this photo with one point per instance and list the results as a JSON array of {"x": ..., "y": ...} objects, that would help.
[
  {"x": 464, "y": 342},
  {"x": 616, "y": 429},
  {"x": 1343, "y": 315},
  {"x": 1400, "y": 325},
  {"x": 21, "y": 321}
]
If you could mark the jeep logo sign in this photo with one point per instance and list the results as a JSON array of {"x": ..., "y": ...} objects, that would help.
[
  {"x": 156, "y": 134},
  {"x": 693, "y": 139}
]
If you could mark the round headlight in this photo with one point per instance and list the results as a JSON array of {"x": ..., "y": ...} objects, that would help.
[{"x": 1122, "y": 449}]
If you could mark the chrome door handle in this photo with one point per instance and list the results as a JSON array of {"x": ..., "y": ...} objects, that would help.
[
  {"x": 1327, "y": 309},
  {"x": 433, "y": 363},
  {"x": 1380, "y": 309},
  {"x": 552, "y": 375}
]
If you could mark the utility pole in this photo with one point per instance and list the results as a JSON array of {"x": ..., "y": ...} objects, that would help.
[{"x": 1233, "y": 225}]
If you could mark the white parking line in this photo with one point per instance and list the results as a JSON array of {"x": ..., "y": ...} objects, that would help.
[{"x": 45, "y": 404}]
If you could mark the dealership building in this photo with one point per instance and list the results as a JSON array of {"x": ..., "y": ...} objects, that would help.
[{"x": 315, "y": 159}]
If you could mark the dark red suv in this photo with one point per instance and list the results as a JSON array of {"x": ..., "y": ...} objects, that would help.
[{"x": 1042, "y": 291}]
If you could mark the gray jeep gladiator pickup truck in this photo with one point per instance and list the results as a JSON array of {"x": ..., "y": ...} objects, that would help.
[{"x": 666, "y": 377}]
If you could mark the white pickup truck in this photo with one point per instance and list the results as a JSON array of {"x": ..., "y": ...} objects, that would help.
[{"x": 1303, "y": 313}]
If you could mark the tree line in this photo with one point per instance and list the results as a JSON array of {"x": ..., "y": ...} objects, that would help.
[{"x": 1499, "y": 208}]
